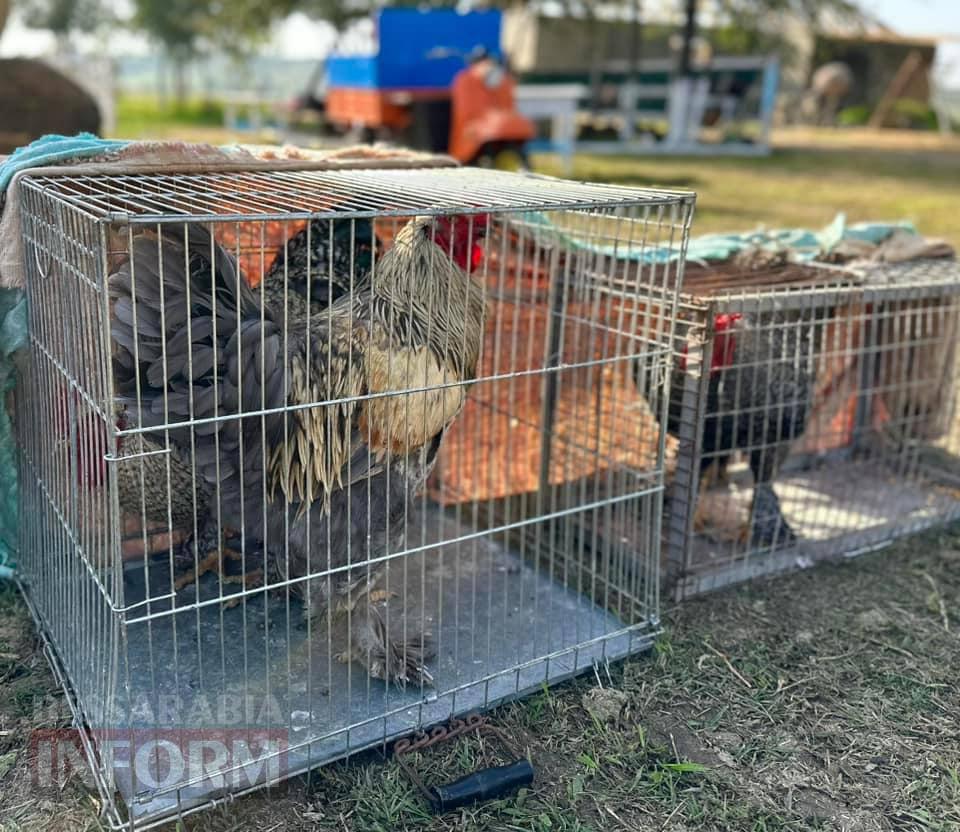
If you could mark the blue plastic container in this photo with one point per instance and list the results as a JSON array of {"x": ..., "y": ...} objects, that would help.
[
  {"x": 417, "y": 49},
  {"x": 352, "y": 72}
]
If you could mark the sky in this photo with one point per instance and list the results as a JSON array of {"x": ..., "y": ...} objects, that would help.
[
  {"x": 917, "y": 17},
  {"x": 295, "y": 37},
  {"x": 298, "y": 37}
]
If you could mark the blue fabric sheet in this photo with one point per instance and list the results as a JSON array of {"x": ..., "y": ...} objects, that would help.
[{"x": 13, "y": 336}]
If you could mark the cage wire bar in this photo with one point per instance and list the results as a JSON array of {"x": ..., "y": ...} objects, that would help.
[
  {"x": 210, "y": 569},
  {"x": 812, "y": 413}
]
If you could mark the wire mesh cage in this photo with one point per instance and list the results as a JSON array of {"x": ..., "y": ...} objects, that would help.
[
  {"x": 812, "y": 406},
  {"x": 308, "y": 457}
]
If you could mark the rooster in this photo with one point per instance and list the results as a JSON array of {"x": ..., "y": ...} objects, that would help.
[
  {"x": 761, "y": 379},
  {"x": 319, "y": 487}
]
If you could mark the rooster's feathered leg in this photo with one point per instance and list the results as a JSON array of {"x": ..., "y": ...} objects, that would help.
[
  {"x": 387, "y": 641},
  {"x": 353, "y": 590}
]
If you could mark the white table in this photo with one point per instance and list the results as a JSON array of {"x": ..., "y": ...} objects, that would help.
[{"x": 559, "y": 103}]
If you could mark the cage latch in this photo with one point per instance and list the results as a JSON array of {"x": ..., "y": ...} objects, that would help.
[{"x": 486, "y": 784}]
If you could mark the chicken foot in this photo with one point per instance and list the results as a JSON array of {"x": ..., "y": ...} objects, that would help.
[
  {"x": 351, "y": 593},
  {"x": 227, "y": 562}
]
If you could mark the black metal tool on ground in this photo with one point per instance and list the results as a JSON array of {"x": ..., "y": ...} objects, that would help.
[{"x": 487, "y": 784}]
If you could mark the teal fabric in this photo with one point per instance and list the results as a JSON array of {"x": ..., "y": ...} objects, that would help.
[
  {"x": 48, "y": 150},
  {"x": 53, "y": 149},
  {"x": 13, "y": 336},
  {"x": 804, "y": 244}
]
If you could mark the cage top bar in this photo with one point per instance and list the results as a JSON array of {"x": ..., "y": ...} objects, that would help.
[{"x": 281, "y": 194}]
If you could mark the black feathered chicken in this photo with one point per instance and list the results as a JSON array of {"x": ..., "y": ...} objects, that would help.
[{"x": 762, "y": 371}]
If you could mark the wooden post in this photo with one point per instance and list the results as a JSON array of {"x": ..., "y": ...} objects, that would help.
[
  {"x": 689, "y": 31},
  {"x": 895, "y": 88}
]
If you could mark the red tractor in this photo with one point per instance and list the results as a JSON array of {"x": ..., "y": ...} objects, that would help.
[{"x": 420, "y": 89}]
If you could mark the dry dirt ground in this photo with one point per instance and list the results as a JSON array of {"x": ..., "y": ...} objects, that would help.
[{"x": 821, "y": 700}]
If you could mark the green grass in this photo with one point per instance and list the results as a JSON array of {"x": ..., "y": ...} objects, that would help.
[
  {"x": 842, "y": 714},
  {"x": 803, "y": 188},
  {"x": 846, "y": 722},
  {"x": 143, "y": 116}
]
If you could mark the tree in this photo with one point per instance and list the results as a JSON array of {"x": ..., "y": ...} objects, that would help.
[
  {"x": 339, "y": 14},
  {"x": 186, "y": 29},
  {"x": 173, "y": 25},
  {"x": 812, "y": 11},
  {"x": 750, "y": 20},
  {"x": 62, "y": 17}
]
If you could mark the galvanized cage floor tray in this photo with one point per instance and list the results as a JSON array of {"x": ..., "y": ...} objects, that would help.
[
  {"x": 841, "y": 506},
  {"x": 495, "y": 619}
]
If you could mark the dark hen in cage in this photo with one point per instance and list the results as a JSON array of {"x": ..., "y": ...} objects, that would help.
[
  {"x": 320, "y": 264},
  {"x": 761, "y": 373},
  {"x": 814, "y": 391}
]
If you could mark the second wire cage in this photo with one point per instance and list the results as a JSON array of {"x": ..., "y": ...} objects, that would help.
[
  {"x": 359, "y": 450},
  {"x": 811, "y": 410}
]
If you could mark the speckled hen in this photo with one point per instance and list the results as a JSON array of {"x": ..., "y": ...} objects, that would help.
[{"x": 319, "y": 265}]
